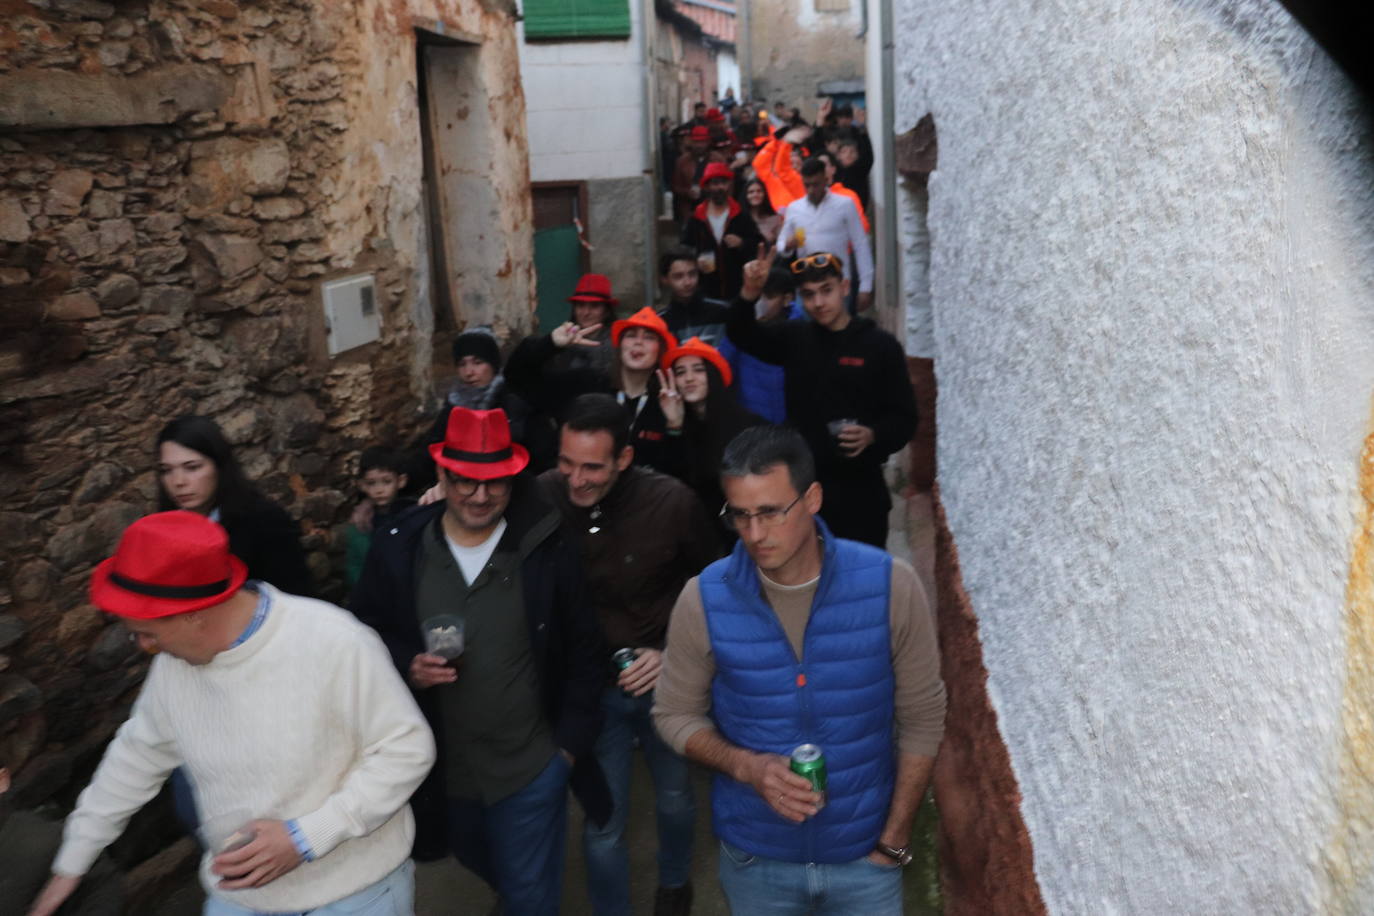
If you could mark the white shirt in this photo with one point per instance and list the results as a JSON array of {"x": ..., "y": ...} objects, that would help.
[
  {"x": 717, "y": 221},
  {"x": 832, "y": 226},
  {"x": 471, "y": 560}
]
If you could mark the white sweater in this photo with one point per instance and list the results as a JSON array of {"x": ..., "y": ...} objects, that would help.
[{"x": 307, "y": 719}]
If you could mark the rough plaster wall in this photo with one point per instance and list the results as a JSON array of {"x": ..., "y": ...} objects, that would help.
[
  {"x": 1151, "y": 272},
  {"x": 617, "y": 225},
  {"x": 795, "y": 48},
  {"x": 912, "y": 204}
]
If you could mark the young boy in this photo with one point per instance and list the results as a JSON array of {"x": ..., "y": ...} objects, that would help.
[{"x": 381, "y": 477}]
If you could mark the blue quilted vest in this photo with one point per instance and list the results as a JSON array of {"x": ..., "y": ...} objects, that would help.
[{"x": 838, "y": 695}]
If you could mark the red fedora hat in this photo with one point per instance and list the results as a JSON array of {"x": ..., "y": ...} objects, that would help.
[
  {"x": 695, "y": 346},
  {"x": 168, "y": 563},
  {"x": 477, "y": 445},
  {"x": 594, "y": 288},
  {"x": 700, "y": 133}
]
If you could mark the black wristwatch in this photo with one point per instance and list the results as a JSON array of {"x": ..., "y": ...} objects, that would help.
[{"x": 899, "y": 854}]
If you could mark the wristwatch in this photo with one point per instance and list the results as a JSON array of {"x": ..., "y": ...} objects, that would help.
[{"x": 899, "y": 854}]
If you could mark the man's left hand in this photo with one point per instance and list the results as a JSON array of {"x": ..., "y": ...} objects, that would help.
[
  {"x": 267, "y": 858},
  {"x": 863, "y": 302},
  {"x": 640, "y": 677},
  {"x": 732, "y": 241},
  {"x": 854, "y": 439}
]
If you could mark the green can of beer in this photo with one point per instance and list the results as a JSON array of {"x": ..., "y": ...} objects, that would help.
[{"x": 809, "y": 761}]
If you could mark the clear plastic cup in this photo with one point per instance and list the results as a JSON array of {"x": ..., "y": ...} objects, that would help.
[
  {"x": 706, "y": 260},
  {"x": 835, "y": 427},
  {"x": 227, "y": 832},
  {"x": 445, "y": 636}
]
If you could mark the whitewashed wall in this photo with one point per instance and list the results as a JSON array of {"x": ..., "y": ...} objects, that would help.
[
  {"x": 1152, "y": 278},
  {"x": 585, "y": 104}
]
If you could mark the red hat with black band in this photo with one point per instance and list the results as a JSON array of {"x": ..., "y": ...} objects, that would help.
[
  {"x": 594, "y": 288},
  {"x": 695, "y": 346},
  {"x": 168, "y": 563},
  {"x": 477, "y": 445}
]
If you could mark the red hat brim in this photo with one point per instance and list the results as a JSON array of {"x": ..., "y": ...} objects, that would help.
[
  {"x": 121, "y": 602},
  {"x": 706, "y": 352},
  {"x": 509, "y": 467},
  {"x": 601, "y": 300}
]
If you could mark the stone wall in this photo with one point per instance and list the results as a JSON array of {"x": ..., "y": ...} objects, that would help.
[
  {"x": 176, "y": 178},
  {"x": 798, "y": 44}
]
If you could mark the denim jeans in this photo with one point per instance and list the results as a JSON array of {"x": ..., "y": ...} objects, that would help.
[
  {"x": 394, "y": 895},
  {"x": 755, "y": 885},
  {"x": 516, "y": 845},
  {"x": 608, "y": 858}
]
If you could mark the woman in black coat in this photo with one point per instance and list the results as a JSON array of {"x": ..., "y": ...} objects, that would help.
[
  {"x": 197, "y": 471},
  {"x": 702, "y": 416}
]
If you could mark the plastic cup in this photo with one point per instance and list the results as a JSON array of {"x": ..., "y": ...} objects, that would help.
[
  {"x": 445, "y": 636},
  {"x": 227, "y": 832},
  {"x": 707, "y": 262},
  {"x": 835, "y": 427}
]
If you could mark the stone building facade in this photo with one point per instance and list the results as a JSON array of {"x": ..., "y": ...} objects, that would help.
[
  {"x": 177, "y": 180},
  {"x": 797, "y": 47}
]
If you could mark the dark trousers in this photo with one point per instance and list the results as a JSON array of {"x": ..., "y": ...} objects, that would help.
[
  {"x": 516, "y": 845},
  {"x": 856, "y": 507}
]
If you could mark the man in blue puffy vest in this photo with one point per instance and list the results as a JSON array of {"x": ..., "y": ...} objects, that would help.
[{"x": 799, "y": 637}]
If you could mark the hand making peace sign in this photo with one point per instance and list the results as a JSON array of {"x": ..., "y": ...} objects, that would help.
[
  {"x": 756, "y": 273},
  {"x": 670, "y": 400}
]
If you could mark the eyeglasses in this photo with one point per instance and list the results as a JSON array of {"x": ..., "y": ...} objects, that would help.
[
  {"x": 821, "y": 260},
  {"x": 466, "y": 486},
  {"x": 739, "y": 519}
]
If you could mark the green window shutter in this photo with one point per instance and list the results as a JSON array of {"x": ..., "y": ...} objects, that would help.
[{"x": 545, "y": 19}]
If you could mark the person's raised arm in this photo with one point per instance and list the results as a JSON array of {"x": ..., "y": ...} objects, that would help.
[{"x": 766, "y": 342}]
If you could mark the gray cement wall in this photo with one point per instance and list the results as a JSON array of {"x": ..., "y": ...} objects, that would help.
[{"x": 616, "y": 227}]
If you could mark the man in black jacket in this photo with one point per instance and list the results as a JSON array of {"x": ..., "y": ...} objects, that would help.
[
  {"x": 721, "y": 232},
  {"x": 846, "y": 388},
  {"x": 516, "y": 715},
  {"x": 689, "y": 313},
  {"x": 642, "y": 536}
]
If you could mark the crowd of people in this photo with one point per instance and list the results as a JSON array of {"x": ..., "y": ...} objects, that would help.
[{"x": 659, "y": 530}]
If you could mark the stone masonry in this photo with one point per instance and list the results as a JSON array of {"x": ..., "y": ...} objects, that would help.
[{"x": 176, "y": 178}]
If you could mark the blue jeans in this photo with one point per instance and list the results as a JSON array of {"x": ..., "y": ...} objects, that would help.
[
  {"x": 608, "y": 858},
  {"x": 516, "y": 845},
  {"x": 753, "y": 884},
  {"x": 394, "y": 895}
]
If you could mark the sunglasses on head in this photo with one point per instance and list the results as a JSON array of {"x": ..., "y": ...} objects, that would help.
[{"x": 820, "y": 261}]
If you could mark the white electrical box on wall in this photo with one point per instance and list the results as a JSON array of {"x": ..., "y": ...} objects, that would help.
[{"x": 350, "y": 312}]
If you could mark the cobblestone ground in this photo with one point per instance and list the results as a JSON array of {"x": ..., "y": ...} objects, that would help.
[{"x": 445, "y": 889}]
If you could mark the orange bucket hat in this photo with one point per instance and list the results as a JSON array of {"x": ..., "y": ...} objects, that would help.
[
  {"x": 648, "y": 319},
  {"x": 698, "y": 347}
]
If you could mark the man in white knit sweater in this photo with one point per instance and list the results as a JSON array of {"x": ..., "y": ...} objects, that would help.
[{"x": 285, "y": 711}]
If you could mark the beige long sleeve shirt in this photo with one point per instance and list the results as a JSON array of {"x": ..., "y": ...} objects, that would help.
[{"x": 682, "y": 697}]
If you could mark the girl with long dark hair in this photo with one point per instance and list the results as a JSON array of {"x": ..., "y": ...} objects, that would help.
[
  {"x": 760, "y": 208},
  {"x": 197, "y": 471},
  {"x": 694, "y": 385}
]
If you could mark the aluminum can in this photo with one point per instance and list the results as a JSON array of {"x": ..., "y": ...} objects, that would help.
[
  {"x": 624, "y": 658},
  {"x": 809, "y": 761}
]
